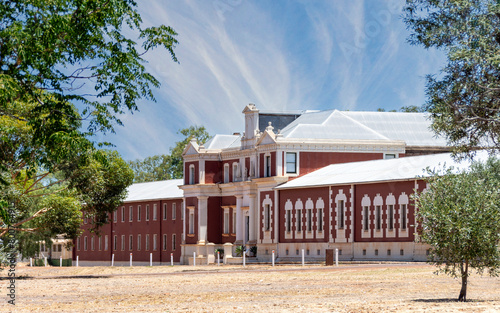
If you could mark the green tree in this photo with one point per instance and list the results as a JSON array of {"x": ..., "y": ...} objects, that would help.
[
  {"x": 464, "y": 99},
  {"x": 161, "y": 167},
  {"x": 459, "y": 214}
]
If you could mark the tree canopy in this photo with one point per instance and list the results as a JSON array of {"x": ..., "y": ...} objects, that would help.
[
  {"x": 464, "y": 99},
  {"x": 167, "y": 166},
  {"x": 67, "y": 71},
  {"x": 459, "y": 215}
]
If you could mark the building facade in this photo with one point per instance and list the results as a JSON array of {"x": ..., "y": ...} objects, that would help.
[{"x": 254, "y": 189}]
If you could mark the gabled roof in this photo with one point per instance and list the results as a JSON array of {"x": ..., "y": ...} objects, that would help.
[
  {"x": 412, "y": 128},
  {"x": 378, "y": 170},
  {"x": 218, "y": 142},
  {"x": 165, "y": 189}
]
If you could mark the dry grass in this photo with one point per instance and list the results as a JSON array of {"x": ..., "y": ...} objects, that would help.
[{"x": 257, "y": 288}]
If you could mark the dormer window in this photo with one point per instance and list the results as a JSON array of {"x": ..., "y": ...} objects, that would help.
[{"x": 291, "y": 162}]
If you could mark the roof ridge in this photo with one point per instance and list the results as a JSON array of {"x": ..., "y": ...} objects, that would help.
[{"x": 361, "y": 124}]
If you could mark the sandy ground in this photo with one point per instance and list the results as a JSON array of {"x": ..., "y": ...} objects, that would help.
[{"x": 256, "y": 288}]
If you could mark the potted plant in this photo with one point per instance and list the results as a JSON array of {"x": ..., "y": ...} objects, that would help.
[{"x": 240, "y": 250}]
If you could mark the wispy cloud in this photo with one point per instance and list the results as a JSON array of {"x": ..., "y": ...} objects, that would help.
[{"x": 279, "y": 55}]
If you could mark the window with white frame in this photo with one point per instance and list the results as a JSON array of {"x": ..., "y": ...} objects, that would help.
[
  {"x": 92, "y": 243},
  {"x": 389, "y": 156},
  {"x": 85, "y": 244},
  {"x": 155, "y": 212},
  {"x": 234, "y": 223},
  {"x": 391, "y": 216},
  {"x": 267, "y": 217},
  {"x": 235, "y": 171},
  {"x": 341, "y": 214},
  {"x": 309, "y": 219},
  {"x": 139, "y": 213},
  {"x": 378, "y": 217},
  {"x": 147, "y": 212},
  {"x": 123, "y": 214},
  {"x": 291, "y": 162},
  {"x": 139, "y": 242},
  {"x": 226, "y": 221},
  {"x": 226, "y": 173},
  {"x": 288, "y": 220},
  {"x": 191, "y": 174},
  {"x": 403, "y": 217},
  {"x": 299, "y": 220},
  {"x": 155, "y": 243},
  {"x": 123, "y": 243},
  {"x": 365, "y": 218},
  {"x": 100, "y": 243},
  {"x": 77, "y": 245},
  {"x": 164, "y": 242},
  {"x": 130, "y": 213},
  {"x": 174, "y": 242},
  {"x": 174, "y": 211},
  {"x": 130, "y": 242},
  {"x": 191, "y": 221},
  {"x": 147, "y": 242},
  {"x": 115, "y": 243},
  {"x": 105, "y": 242},
  {"x": 320, "y": 219},
  {"x": 164, "y": 211},
  {"x": 115, "y": 216},
  {"x": 267, "y": 164}
]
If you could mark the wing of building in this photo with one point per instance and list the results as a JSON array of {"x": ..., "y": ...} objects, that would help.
[{"x": 292, "y": 181}]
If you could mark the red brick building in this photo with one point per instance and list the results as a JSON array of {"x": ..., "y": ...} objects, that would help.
[{"x": 311, "y": 180}]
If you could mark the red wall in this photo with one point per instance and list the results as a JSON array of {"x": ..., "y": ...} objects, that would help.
[
  {"x": 311, "y": 161},
  {"x": 213, "y": 172},
  {"x": 304, "y": 195},
  {"x": 396, "y": 188}
]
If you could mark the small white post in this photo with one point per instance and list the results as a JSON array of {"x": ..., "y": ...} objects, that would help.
[
  {"x": 273, "y": 257},
  {"x": 130, "y": 259},
  {"x": 194, "y": 258},
  {"x": 171, "y": 259},
  {"x": 336, "y": 257},
  {"x": 31, "y": 262},
  {"x": 45, "y": 261},
  {"x": 244, "y": 259},
  {"x": 151, "y": 259},
  {"x": 303, "y": 257},
  {"x": 113, "y": 259},
  {"x": 60, "y": 261},
  {"x": 218, "y": 258},
  {"x": 77, "y": 261}
]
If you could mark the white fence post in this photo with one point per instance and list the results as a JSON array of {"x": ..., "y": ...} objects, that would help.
[
  {"x": 77, "y": 261},
  {"x": 31, "y": 262},
  {"x": 194, "y": 258},
  {"x": 171, "y": 259},
  {"x": 151, "y": 259},
  {"x": 60, "y": 261},
  {"x": 113, "y": 259},
  {"x": 273, "y": 257},
  {"x": 45, "y": 261},
  {"x": 218, "y": 258},
  {"x": 303, "y": 257},
  {"x": 244, "y": 259},
  {"x": 130, "y": 259},
  {"x": 336, "y": 257}
]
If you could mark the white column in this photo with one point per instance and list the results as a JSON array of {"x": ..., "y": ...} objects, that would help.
[
  {"x": 239, "y": 220},
  {"x": 253, "y": 219},
  {"x": 202, "y": 219}
]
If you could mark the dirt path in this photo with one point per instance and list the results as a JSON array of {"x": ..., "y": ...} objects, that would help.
[{"x": 257, "y": 288}]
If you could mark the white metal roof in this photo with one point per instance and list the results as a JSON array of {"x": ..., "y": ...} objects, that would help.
[
  {"x": 378, "y": 170},
  {"x": 165, "y": 189},
  {"x": 218, "y": 142},
  {"x": 412, "y": 128}
]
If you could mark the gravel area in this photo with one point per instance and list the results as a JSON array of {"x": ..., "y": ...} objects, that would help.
[{"x": 383, "y": 287}]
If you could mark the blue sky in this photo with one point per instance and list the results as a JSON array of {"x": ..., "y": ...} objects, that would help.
[{"x": 280, "y": 55}]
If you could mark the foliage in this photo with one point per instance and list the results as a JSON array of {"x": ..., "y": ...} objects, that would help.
[
  {"x": 239, "y": 250},
  {"x": 464, "y": 100},
  {"x": 67, "y": 71},
  {"x": 162, "y": 167},
  {"x": 220, "y": 252},
  {"x": 460, "y": 218}
]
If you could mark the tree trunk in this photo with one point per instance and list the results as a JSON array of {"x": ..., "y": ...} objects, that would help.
[{"x": 463, "y": 292}]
